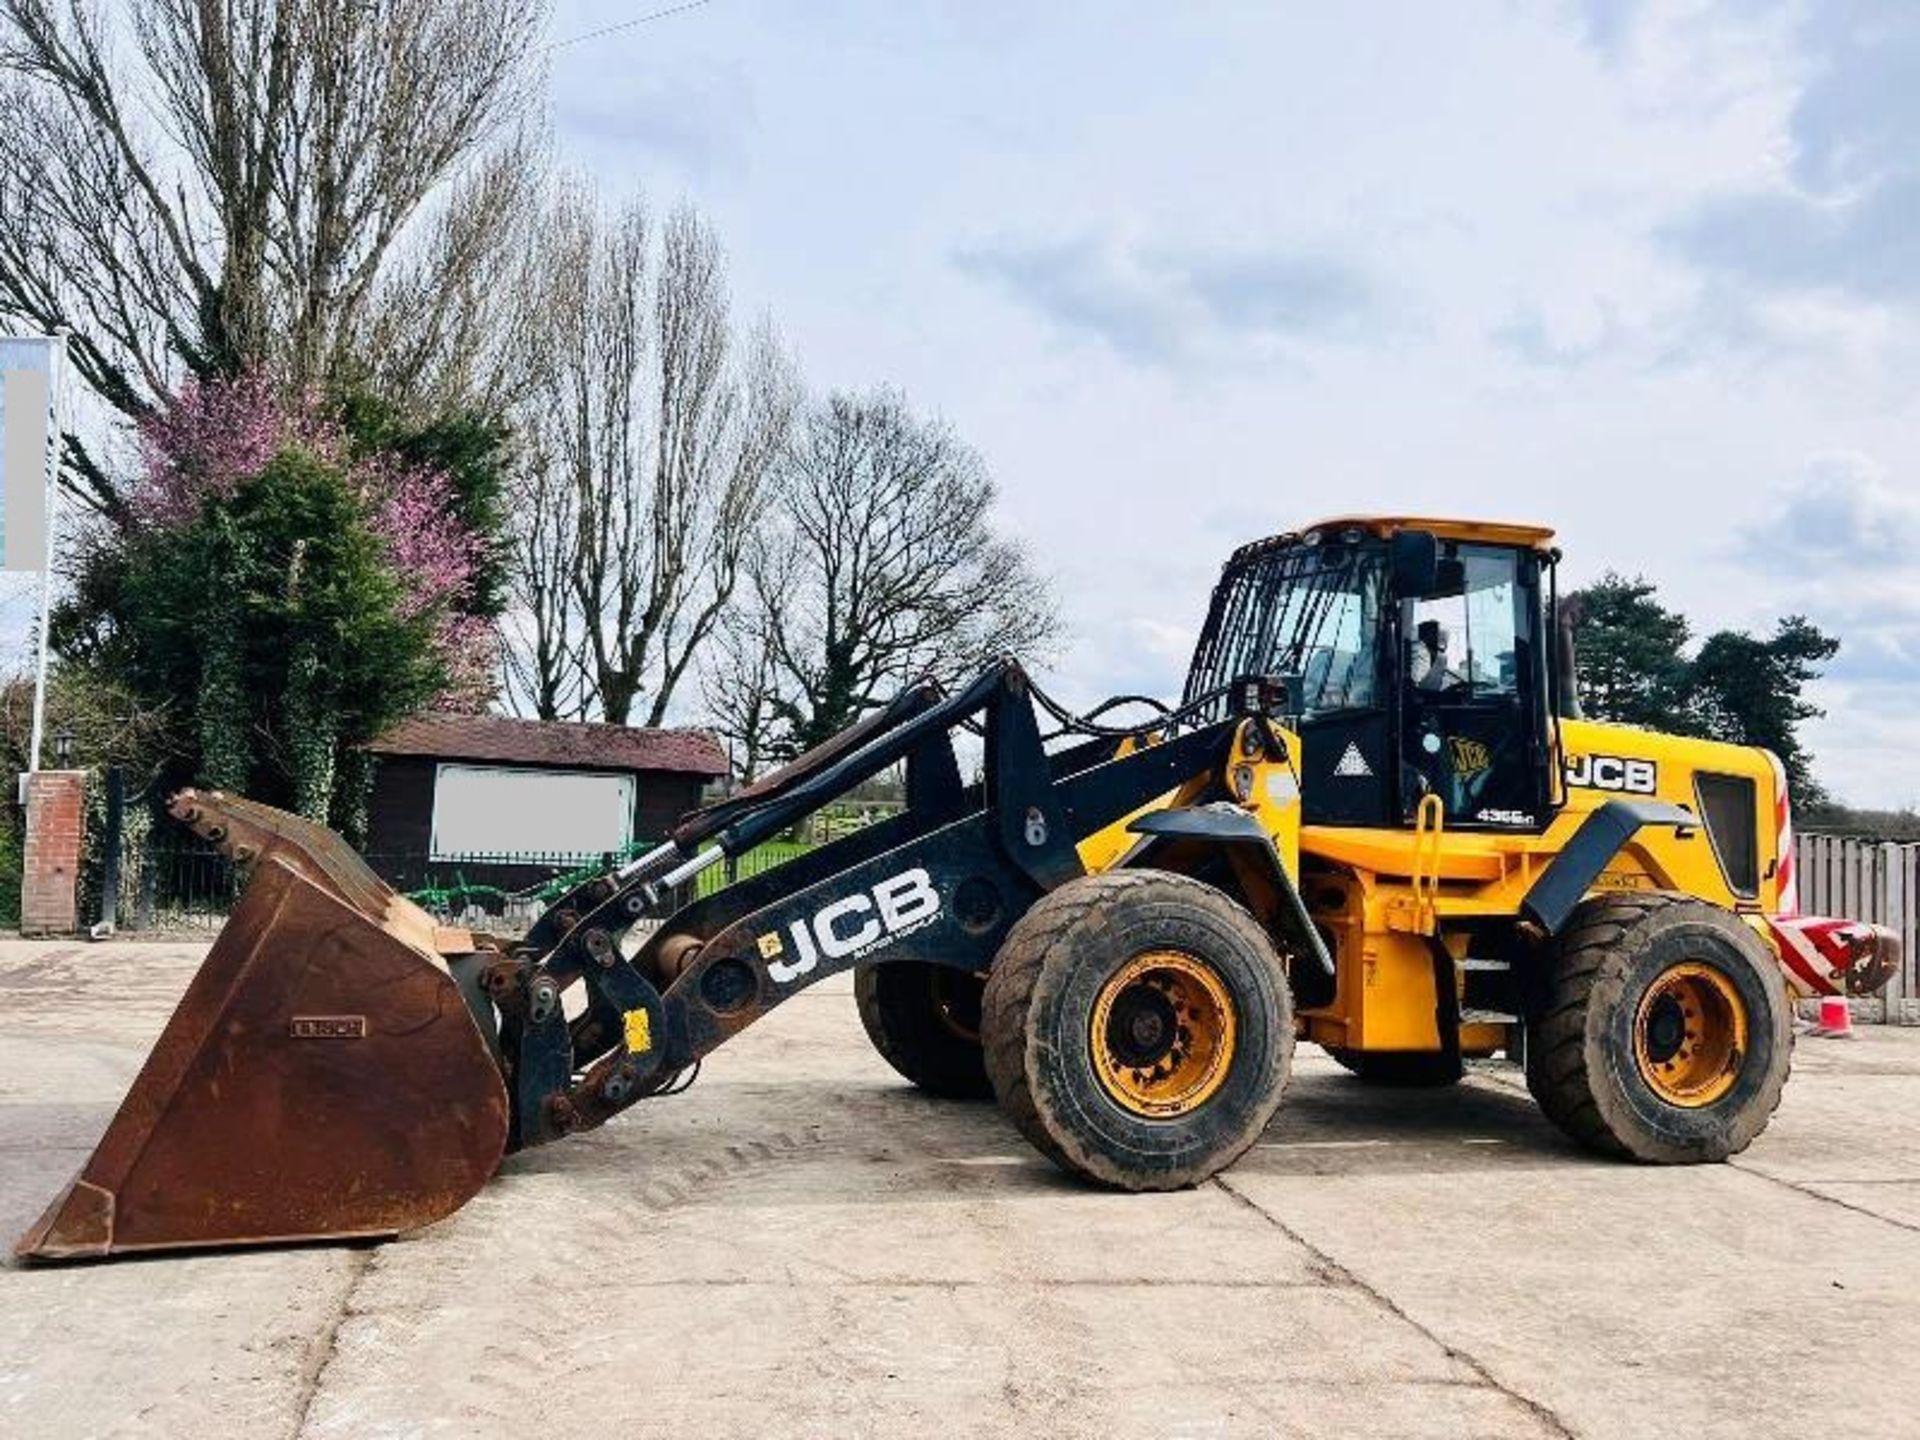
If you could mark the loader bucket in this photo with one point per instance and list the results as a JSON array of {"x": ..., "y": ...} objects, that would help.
[{"x": 322, "y": 1078}]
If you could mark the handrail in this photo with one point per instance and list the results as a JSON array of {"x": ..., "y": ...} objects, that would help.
[{"x": 1430, "y": 822}]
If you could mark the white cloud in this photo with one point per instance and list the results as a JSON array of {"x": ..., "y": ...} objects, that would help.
[
  {"x": 1172, "y": 305},
  {"x": 1219, "y": 277},
  {"x": 1842, "y": 519},
  {"x": 1839, "y": 544},
  {"x": 1836, "y": 212}
]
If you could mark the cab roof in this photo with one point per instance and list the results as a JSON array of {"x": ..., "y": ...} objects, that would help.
[{"x": 1490, "y": 532}]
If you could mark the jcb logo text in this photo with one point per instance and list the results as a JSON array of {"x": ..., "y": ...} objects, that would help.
[
  {"x": 850, "y": 928},
  {"x": 1613, "y": 772}
]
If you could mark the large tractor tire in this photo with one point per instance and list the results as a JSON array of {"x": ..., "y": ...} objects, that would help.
[
  {"x": 1664, "y": 1034},
  {"x": 1138, "y": 1029},
  {"x": 1401, "y": 1069},
  {"x": 925, "y": 1021}
]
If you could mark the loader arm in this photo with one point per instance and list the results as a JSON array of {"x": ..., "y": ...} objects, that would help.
[{"x": 941, "y": 882}]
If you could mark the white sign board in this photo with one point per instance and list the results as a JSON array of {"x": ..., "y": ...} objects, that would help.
[
  {"x": 493, "y": 810},
  {"x": 29, "y": 438}
]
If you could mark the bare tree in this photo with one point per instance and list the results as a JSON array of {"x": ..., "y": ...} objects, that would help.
[
  {"x": 884, "y": 566},
  {"x": 235, "y": 193},
  {"x": 662, "y": 424},
  {"x": 540, "y": 654},
  {"x": 454, "y": 319},
  {"x": 740, "y": 674}
]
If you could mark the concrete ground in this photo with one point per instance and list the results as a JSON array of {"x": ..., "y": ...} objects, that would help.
[{"x": 801, "y": 1245}]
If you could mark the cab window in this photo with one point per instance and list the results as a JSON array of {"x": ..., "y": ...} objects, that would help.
[
  {"x": 1463, "y": 639},
  {"x": 1339, "y": 669},
  {"x": 1309, "y": 610}
]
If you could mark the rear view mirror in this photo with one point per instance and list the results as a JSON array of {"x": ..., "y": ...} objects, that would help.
[{"x": 1416, "y": 562}]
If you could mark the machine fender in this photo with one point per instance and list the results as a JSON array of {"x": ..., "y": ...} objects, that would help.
[
  {"x": 1224, "y": 824},
  {"x": 1550, "y": 901}
]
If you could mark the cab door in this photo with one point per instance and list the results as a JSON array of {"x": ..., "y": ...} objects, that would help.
[{"x": 1474, "y": 727}]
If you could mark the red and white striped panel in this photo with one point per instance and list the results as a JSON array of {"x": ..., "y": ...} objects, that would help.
[{"x": 1817, "y": 954}]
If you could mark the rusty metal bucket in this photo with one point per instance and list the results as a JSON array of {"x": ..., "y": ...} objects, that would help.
[{"x": 322, "y": 1078}]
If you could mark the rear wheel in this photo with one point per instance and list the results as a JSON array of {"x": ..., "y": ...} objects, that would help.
[
  {"x": 1401, "y": 1069},
  {"x": 925, "y": 1021},
  {"x": 1138, "y": 1029},
  {"x": 1665, "y": 1034}
]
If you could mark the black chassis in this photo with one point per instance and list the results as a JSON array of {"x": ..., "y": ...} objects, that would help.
[{"x": 942, "y": 882}]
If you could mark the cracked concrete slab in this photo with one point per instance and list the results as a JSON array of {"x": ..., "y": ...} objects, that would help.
[{"x": 801, "y": 1245}]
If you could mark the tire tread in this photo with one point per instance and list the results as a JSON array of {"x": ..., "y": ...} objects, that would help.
[
  {"x": 1016, "y": 972},
  {"x": 1605, "y": 931}
]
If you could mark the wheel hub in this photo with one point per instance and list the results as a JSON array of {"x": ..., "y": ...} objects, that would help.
[
  {"x": 1163, "y": 1034},
  {"x": 956, "y": 1001},
  {"x": 1143, "y": 1026},
  {"x": 1690, "y": 1035},
  {"x": 1666, "y": 1029}
]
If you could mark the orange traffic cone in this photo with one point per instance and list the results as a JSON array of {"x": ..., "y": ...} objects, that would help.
[{"x": 1836, "y": 1019}]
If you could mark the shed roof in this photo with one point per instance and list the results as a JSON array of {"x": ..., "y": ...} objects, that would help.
[{"x": 558, "y": 744}]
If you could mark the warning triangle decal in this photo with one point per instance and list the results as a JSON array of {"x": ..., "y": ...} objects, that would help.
[{"x": 1352, "y": 762}]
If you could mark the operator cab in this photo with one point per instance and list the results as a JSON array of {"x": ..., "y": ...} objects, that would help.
[{"x": 1416, "y": 658}]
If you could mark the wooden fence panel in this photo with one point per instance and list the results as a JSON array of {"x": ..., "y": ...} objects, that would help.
[{"x": 1873, "y": 880}]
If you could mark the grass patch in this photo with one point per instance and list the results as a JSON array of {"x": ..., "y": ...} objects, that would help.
[{"x": 760, "y": 858}]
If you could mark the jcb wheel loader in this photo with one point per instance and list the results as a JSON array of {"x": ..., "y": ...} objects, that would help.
[{"x": 1375, "y": 822}]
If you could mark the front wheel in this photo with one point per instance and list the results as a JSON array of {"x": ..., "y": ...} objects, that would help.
[
  {"x": 1138, "y": 1029},
  {"x": 1665, "y": 1033},
  {"x": 924, "y": 1019}
]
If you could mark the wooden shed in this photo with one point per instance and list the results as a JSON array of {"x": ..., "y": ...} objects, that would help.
[{"x": 510, "y": 800}]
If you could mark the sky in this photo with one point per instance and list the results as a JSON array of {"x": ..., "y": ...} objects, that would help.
[{"x": 1191, "y": 274}]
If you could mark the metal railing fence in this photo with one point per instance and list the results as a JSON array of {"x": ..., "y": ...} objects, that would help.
[{"x": 170, "y": 880}]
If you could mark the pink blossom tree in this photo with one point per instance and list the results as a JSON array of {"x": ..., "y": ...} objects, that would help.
[
  {"x": 291, "y": 580},
  {"x": 213, "y": 437}
]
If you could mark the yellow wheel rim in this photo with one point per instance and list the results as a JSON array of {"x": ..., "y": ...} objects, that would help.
[
  {"x": 1690, "y": 1035},
  {"x": 1162, "y": 1035}
]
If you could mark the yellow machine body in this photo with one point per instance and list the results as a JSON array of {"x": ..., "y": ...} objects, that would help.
[
  {"x": 1381, "y": 896},
  {"x": 1383, "y": 892}
]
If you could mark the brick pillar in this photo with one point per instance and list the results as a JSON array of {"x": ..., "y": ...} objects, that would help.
[{"x": 50, "y": 868}]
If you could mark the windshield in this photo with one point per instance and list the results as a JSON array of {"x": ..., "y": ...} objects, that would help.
[{"x": 1297, "y": 609}]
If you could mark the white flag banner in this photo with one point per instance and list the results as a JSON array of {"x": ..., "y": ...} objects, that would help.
[{"x": 29, "y": 443}]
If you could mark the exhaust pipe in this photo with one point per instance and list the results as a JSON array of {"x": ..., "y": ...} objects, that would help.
[{"x": 1566, "y": 616}]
